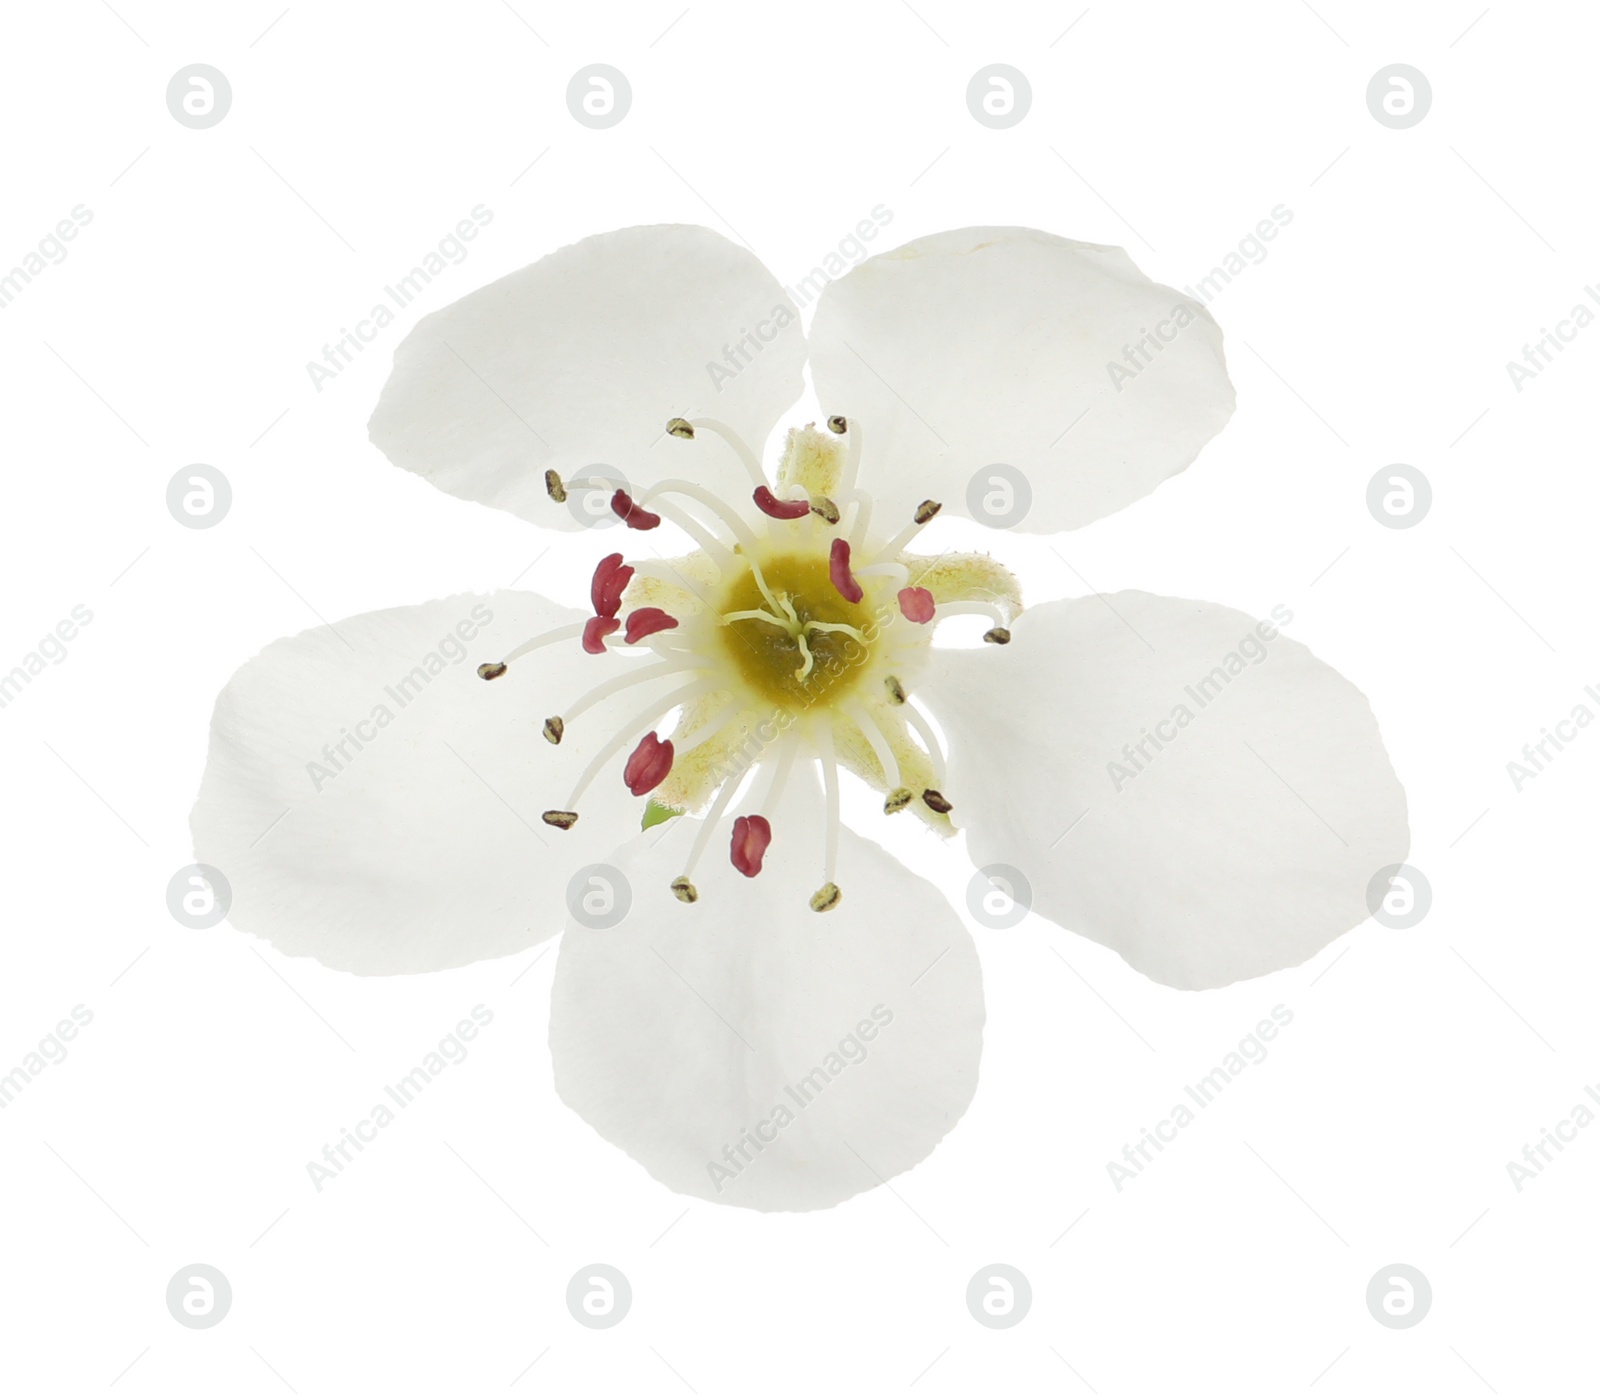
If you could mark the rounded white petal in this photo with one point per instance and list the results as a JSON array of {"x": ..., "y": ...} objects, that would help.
[
  {"x": 376, "y": 805},
  {"x": 1240, "y": 838},
  {"x": 579, "y": 360},
  {"x": 749, "y": 1050},
  {"x": 988, "y": 346}
]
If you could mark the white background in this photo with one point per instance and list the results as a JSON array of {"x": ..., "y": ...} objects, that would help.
[{"x": 1377, "y": 330}]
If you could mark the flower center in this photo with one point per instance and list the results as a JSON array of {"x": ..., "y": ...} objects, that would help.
[{"x": 796, "y": 634}]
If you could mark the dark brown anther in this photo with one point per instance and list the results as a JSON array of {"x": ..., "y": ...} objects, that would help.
[
  {"x": 554, "y": 487},
  {"x": 936, "y": 801},
  {"x": 926, "y": 510},
  {"x": 558, "y": 818},
  {"x": 490, "y": 671},
  {"x": 838, "y": 425},
  {"x": 684, "y": 889},
  {"x": 680, "y": 428},
  {"x": 998, "y": 635},
  {"x": 554, "y": 729},
  {"x": 825, "y": 508},
  {"x": 897, "y": 694}
]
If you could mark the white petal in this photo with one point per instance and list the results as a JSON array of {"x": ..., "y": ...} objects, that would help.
[
  {"x": 423, "y": 848},
  {"x": 997, "y": 345},
  {"x": 579, "y": 360},
  {"x": 1243, "y": 845},
  {"x": 684, "y": 1030}
]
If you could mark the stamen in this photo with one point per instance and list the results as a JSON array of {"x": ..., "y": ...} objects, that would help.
[
  {"x": 929, "y": 740},
  {"x": 926, "y": 510},
  {"x": 646, "y": 674},
  {"x": 839, "y": 571},
  {"x": 555, "y": 636},
  {"x": 560, "y": 818},
  {"x": 611, "y": 578},
  {"x": 554, "y": 729},
  {"x": 706, "y": 731},
  {"x": 774, "y": 507},
  {"x": 643, "y": 721},
  {"x": 650, "y": 620},
  {"x": 711, "y": 546},
  {"x": 640, "y": 519},
  {"x": 936, "y": 801},
  {"x": 838, "y": 425},
  {"x": 554, "y": 487},
  {"x": 973, "y": 607},
  {"x": 862, "y": 520},
  {"x": 916, "y": 604},
  {"x": 680, "y": 428},
  {"x": 752, "y": 835},
  {"x": 825, "y": 508},
  {"x": 873, "y": 734},
  {"x": 852, "y": 458},
  {"x": 708, "y": 501},
  {"x": 713, "y": 816},
  {"x": 490, "y": 671},
  {"x": 597, "y": 631},
  {"x": 684, "y": 889},
  {"x": 650, "y": 763},
  {"x": 891, "y": 569},
  {"x": 829, "y": 895},
  {"x": 897, "y": 694},
  {"x": 898, "y": 799},
  {"x": 998, "y": 635},
  {"x": 746, "y": 456}
]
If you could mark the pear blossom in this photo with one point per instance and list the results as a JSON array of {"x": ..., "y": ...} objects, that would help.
[{"x": 777, "y": 1013}]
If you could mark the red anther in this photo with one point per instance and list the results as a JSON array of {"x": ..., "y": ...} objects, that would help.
[
  {"x": 916, "y": 604},
  {"x": 643, "y": 623},
  {"x": 595, "y": 632},
  {"x": 650, "y": 763},
  {"x": 631, "y": 514},
  {"x": 751, "y": 838},
  {"x": 775, "y": 507},
  {"x": 839, "y": 571},
  {"x": 611, "y": 578}
]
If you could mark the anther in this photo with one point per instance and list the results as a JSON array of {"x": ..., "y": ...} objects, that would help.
[
  {"x": 647, "y": 621},
  {"x": 752, "y": 836},
  {"x": 839, "y": 572},
  {"x": 926, "y": 510},
  {"x": 825, "y": 508},
  {"x": 611, "y": 578},
  {"x": 596, "y": 631},
  {"x": 774, "y": 507},
  {"x": 936, "y": 801},
  {"x": 554, "y": 729},
  {"x": 559, "y": 818},
  {"x": 838, "y": 425},
  {"x": 554, "y": 487},
  {"x": 650, "y": 763},
  {"x": 640, "y": 519},
  {"x": 900, "y": 798},
  {"x": 684, "y": 889},
  {"x": 490, "y": 671},
  {"x": 916, "y": 604},
  {"x": 681, "y": 429},
  {"x": 997, "y": 635},
  {"x": 830, "y": 895},
  {"x": 897, "y": 694}
]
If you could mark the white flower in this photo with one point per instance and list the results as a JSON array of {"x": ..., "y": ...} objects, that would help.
[{"x": 785, "y": 1016}]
